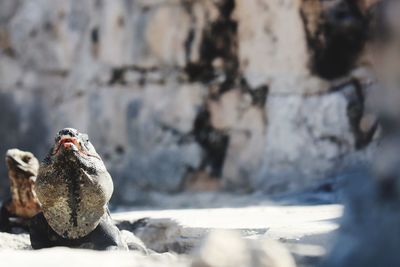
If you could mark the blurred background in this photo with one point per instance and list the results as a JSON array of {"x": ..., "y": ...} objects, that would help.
[{"x": 238, "y": 96}]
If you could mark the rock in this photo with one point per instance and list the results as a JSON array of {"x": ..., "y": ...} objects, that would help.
[
  {"x": 182, "y": 104},
  {"x": 275, "y": 52},
  {"x": 46, "y": 34},
  {"x": 23, "y": 127},
  {"x": 14, "y": 242},
  {"x": 76, "y": 257},
  {"x": 138, "y": 30},
  {"x": 164, "y": 42},
  {"x": 174, "y": 90},
  {"x": 10, "y": 72},
  {"x": 133, "y": 242},
  {"x": 303, "y": 143},
  {"x": 226, "y": 112},
  {"x": 157, "y": 155},
  {"x": 272, "y": 253},
  {"x": 372, "y": 195},
  {"x": 245, "y": 125},
  {"x": 201, "y": 181},
  {"x": 139, "y": 140},
  {"x": 160, "y": 169},
  {"x": 305, "y": 230},
  {"x": 160, "y": 235},
  {"x": 336, "y": 33},
  {"x": 371, "y": 203},
  {"x": 302, "y": 229},
  {"x": 225, "y": 249},
  {"x": 8, "y": 7},
  {"x": 245, "y": 153}
]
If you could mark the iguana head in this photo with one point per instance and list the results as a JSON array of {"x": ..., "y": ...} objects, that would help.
[
  {"x": 22, "y": 171},
  {"x": 73, "y": 185},
  {"x": 70, "y": 142}
]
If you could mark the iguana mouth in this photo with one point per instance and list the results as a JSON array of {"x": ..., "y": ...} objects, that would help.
[{"x": 67, "y": 142}]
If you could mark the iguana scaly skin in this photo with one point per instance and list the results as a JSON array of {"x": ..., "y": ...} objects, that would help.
[
  {"x": 23, "y": 204},
  {"x": 73, "y": 187}
]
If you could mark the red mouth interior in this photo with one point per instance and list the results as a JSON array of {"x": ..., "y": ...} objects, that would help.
[
  {"x": 72, "y": 140},
  {"x": 67, "y": 143}
]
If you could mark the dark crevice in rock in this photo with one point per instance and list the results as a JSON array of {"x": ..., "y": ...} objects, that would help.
[
  {"x": 335, "y": 37},
  {"x": 57, "y": 72},
  {"x": 354, "y": 94},
  {"x": 214, "y": 143},
  {"x": 5, "y": 43},
  {"x": 173, "y": 131},
  {"x": 189, "y": 42},
  {"x": 387, "y": 188},
  {"x": 117, "y": 76},
  {"x": 48, "y": 27},
  {"x": 95, "y": 36},
  {"x": 326, "y": 186},
  {"x": 339, "y": 142},
  {"x": 120, "y": 150},
  {"x": 219, "y": 45},
  {"x": 258, "y": 95},
  {"x": 355, "y": 113},
  {"x": 219, "y": 68}
]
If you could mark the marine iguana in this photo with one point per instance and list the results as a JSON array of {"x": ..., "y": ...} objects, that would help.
[{"x": 74, "y": 187}]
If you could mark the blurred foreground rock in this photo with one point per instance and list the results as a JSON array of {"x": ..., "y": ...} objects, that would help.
[
  {"x": 369, "y": 231},
  {"x": 369, "y": 234},
  {"x": 229, "y": 249}
]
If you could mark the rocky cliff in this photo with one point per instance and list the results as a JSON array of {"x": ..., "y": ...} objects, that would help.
[{"x": 190, "y": 94}]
